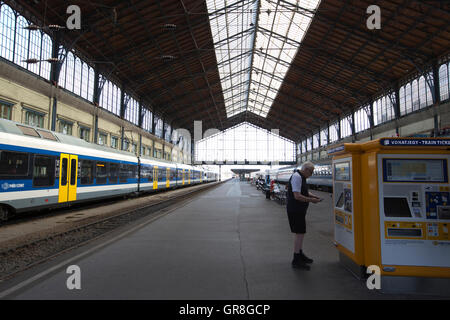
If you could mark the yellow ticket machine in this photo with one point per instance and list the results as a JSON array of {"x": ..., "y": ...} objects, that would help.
[
  {"x": 348, "y": 223},
  {"x": 392, "y": 208}
]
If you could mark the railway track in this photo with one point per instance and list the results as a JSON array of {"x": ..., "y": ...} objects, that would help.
[{"x": 16, "y": 259}]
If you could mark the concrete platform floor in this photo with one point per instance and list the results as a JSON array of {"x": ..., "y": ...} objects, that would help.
[{"x": 228, "y": 243}]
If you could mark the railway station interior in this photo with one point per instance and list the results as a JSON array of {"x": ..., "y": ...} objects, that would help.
[{"x": 148, "y": 150}]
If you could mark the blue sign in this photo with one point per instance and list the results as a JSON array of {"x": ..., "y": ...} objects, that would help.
[
  {"x": 414, "y": 142},
  {"x": 337, "y": 149}
]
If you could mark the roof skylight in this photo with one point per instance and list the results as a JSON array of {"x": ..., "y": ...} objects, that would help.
[{"x": 255, "y": 42}]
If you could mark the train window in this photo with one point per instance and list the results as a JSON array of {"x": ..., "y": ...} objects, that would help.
[
  {"x": 113, "y": 172},
  {"x": 123, "y": 173},
  {"x": 102, "y": 172},
  {"x": 146, "y": 173},
  {"x": 73, "y": 172},
  {"x": 173, "y": 174},
  {"x": 13, "y": 163},
  {"x": 44, "y": 171},
  {"x": 64, "y": 166},
  {"x": 133, "y": 171},
  {"x": 161, "y": 174},
  {"x": 150, "y": 174},
  {"x": 87, "y": 172}
]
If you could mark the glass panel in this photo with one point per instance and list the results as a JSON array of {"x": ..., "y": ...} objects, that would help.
[
  {"x": 102, "y": 172},
  {"x": 13, "y": 163},
  {"x": 64, "y": 167},
  {"x": 44, "y": 171},
  {"x": 7, "y": 32},
  {"x": 73, "y": 172},
  {"x": 87, "y": 172},
  {"x": 113, "y": 172}
]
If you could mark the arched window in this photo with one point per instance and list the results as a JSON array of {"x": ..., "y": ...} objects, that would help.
[
  {"x": 429, "y": 96},
  {"x": 70, "y": 66},
  {"x": 34, "y": 51},
  {"x": 444, "y": 78},
  {"x": 315, "y": 141},
  {"x": 147, "y": 119},
  {"x": 408, "y": 101},
  {"x": 77, "y": 76},
  {"x": 110, "y": 96},
  {"x": 345, "y": 127},
  {"x": 90, "y": 89},
  {"x": 361, "y": 120},
  {"x": 101, "y": 98},
  {"x": 402, "y": 100},
  {"x": 62, "y": 72},
  {"x": 7, "y": 32},
  {"x": 422, "y": 92},
  {"x": 132, "y": 111},
  {"x": 21, "y": 44},
  {"x": 84, "y": 81},
  {"x": 376, "y": 112},
  {"x": 46, "y": 52},
  {"x": 415, "y": 95},
  {"x": 117, "y": 105}
]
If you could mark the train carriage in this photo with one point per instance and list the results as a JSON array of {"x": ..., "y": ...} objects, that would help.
[
  {"x": 156, "y": 175},
  {"x": 40, "y": 168}
]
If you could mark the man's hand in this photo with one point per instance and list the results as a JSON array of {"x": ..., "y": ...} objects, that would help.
[{"x": 315, "y": 200}]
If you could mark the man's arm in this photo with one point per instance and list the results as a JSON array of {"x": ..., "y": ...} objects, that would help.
[
  {"x": 312, "y": 195},
  {"x": 296, "y": 183},
  {"x": 299, "y": 197}
]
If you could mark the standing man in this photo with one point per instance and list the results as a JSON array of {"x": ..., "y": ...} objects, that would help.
[{"x": 298, "y": 198}]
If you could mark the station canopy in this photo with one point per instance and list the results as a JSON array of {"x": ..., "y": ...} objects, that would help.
[{"x": 296, "y": 65}]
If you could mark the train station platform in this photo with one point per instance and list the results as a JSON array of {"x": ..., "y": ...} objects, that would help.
[{"x": 229, "y": 243}]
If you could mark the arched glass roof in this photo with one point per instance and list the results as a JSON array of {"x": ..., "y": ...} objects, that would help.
[{"x": 255, "y": 42}]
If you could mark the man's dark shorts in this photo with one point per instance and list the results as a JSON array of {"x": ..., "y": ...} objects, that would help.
[{"x": 297, "y": 221}]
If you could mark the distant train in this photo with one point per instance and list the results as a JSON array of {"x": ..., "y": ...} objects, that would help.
[
  {"x": 42, "y": 169},
  {"x": 320, "y": 180}
]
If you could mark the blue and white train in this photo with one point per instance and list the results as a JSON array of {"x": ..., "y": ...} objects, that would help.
[
  {"x": 321, "y": 179},
  {"x": 41, "y": 169}
]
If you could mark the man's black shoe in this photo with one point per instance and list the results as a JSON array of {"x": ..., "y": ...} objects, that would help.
[
  {"x": 305, "y": 258},
  {"x": 298, "y": 263}
]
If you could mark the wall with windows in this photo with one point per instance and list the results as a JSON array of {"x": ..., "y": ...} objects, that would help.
[
  {"x": 26, "y": 93},
  {"x": 416, "y": 114},
  {"x": 18, "y": 99}
]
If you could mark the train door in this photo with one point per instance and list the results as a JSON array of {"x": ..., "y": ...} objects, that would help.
[
  {"x": 182, "y": 172},
  {"x": 167, "y": 177},
  {"x": 189, "y": 176},
  {"x": 68, "y": 168},
  {"x": 155, "y": 177}
]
